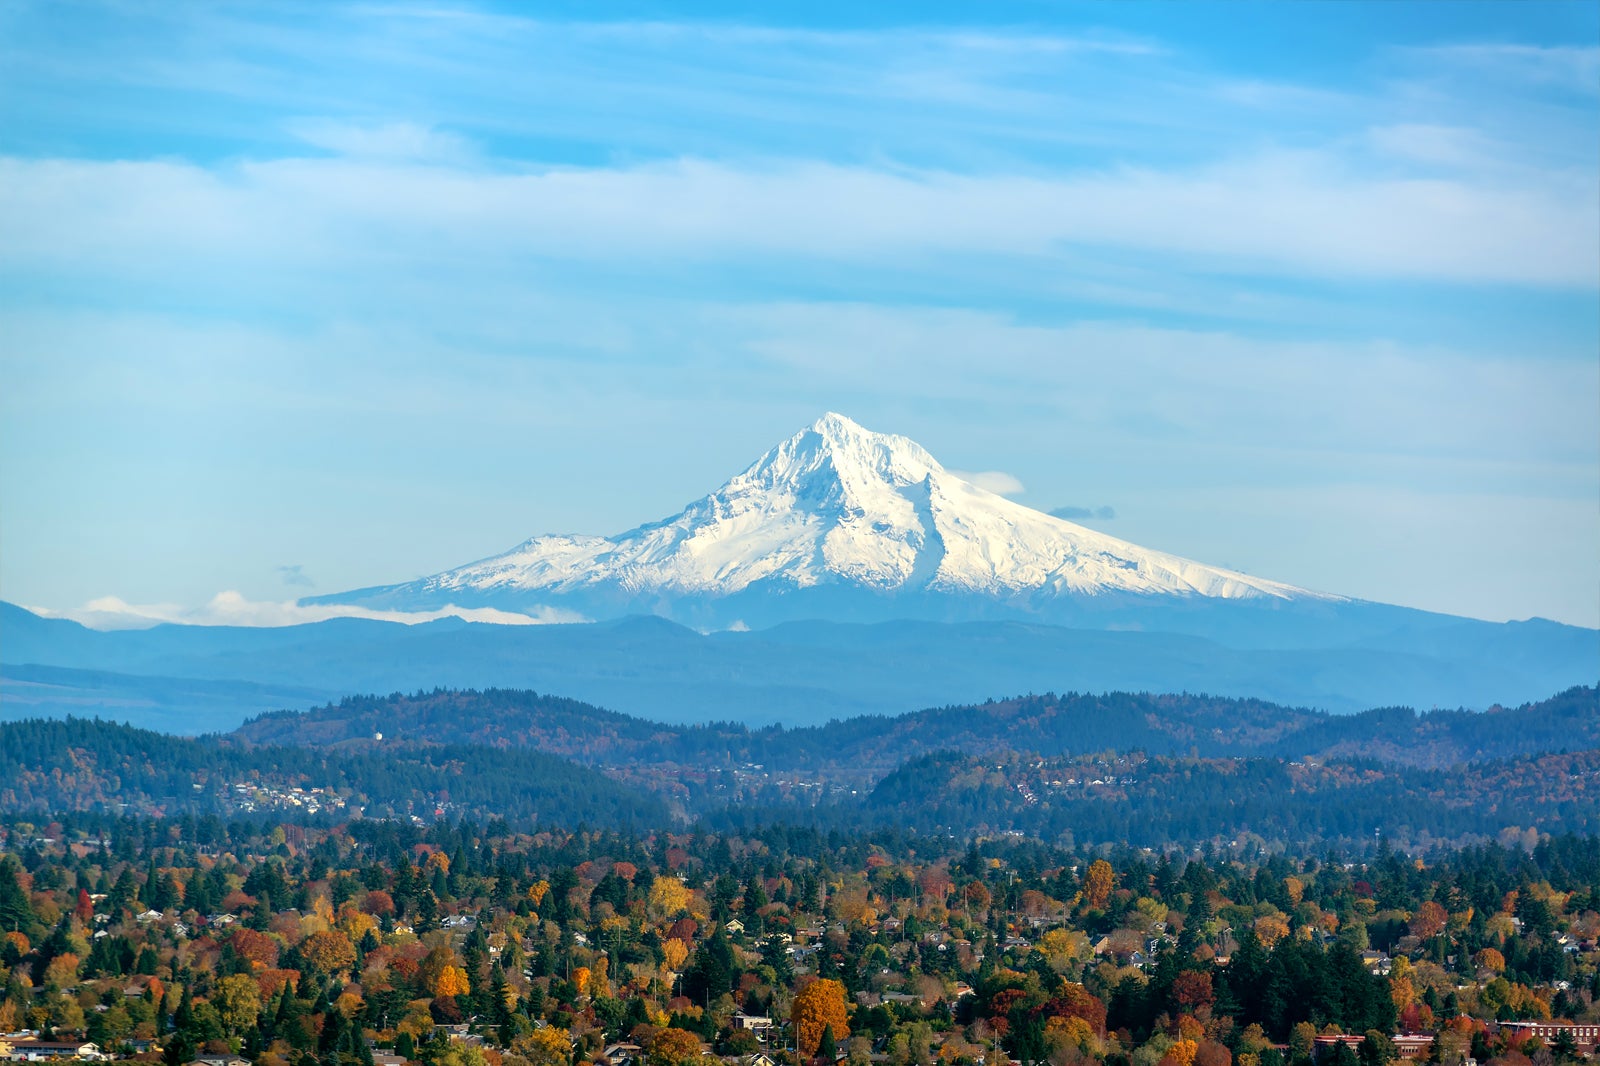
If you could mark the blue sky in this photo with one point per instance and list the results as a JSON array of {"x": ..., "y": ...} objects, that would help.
[{"x": 304, "y": 297}]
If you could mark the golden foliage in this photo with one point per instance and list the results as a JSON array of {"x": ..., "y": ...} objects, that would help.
[
  {"x": 1271, "y": 928},
  {"x": 1181, "y": 1053},
  {"x": 1073, "y": 1032},
  {"x": 674, "y": 1047},
  {"x": 62, "y": 971},
  {"x": 1097, "y": 886},
  {"x": 1402, "y": 992},
  {"x": 329, "y": 951},
  {"x": 356, "y": 923},
  {"x": 668, "y": 897},
  {"x": 549, "y": 1046},
  {"x": 452, "y": 981},
  {"x": 238, "y": 1002},
  {"x": 817, "y": 1006}
]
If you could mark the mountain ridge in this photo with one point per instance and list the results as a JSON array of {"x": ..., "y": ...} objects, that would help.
[{"x": 797, "y": 673}]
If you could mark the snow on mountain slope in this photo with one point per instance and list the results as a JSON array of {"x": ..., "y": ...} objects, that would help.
[{"x": 837, "y": 505}]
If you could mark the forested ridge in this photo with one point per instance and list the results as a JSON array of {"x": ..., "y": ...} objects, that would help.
[
  {"x": 1143, "y": 769},
  {"x": 1157, "y": 800},
  {"x": 1049, "y": 724},
  {"x": 83, "y": 764}
]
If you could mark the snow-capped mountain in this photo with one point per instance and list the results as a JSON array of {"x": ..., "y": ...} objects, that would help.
[{"x": 837, "y": 521}]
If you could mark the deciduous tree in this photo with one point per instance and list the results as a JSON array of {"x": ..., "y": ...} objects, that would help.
[{"x": 819, "y": 1005}]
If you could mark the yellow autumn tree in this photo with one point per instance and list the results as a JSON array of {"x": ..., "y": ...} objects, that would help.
[
  {"x": 1097, "y": 885},
  {"x": 356, "y": 923},
  {"x": 1062, "y": 1033},
  {"x": 550, "y": 1046},
  {"x": 237, "y": 1000},
  {"x": 668, "y": 897},
  {"x": 675, "y": 951},
  {"x": 1271, "y": 928},
  {"x": 819, "y": 1005},
  {"x": 1062, "y": 946}
]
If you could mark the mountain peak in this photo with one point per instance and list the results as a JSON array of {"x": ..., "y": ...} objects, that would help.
[
  {"x": 832, "y": 422},
  {"x": 838, "y": 452}
]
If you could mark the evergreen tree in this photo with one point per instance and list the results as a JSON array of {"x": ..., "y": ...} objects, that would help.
[{"x": 16, "y": 912}]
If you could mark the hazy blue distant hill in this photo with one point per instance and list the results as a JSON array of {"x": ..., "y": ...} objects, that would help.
[
  {"x": 170, "y": 704},
  {"x": 799, "y": 673}
]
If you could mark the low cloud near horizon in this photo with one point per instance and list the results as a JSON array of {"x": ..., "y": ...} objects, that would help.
[
  {"x": 233, "y": 609},
  {"x": 1074, "y": 514}
]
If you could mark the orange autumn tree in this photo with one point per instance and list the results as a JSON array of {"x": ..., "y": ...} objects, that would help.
[
  {"x": 674, "y": 1047},
  {"x": 329, "y": 951},
  {"x": 1181, "y": 1053},
  {"x": 452, "y": 981},
  {"x": 819, "y": 1005},
  {"x": 1429, "y": 921},
  {"x": 259, "y": 949}
]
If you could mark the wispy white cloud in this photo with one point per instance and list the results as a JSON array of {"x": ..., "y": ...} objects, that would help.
[
  {"x": 1302, "y": 212},
  {"x": 1575, "y": 68},
  {"x": 1451, "y": 146},
  {"x": 386, "y": 142},
  {"x": 1209, "y": 388},
  {"x": 996, "y": 481},
  {"x": 233, "y": 609}
]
